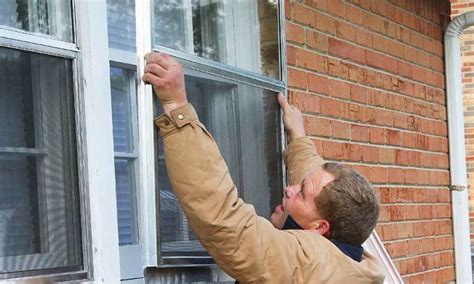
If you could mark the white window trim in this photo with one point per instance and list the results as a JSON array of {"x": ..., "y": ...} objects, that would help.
[{"x": 98, "y": 162}]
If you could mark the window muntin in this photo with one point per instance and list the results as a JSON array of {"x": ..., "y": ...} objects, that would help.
[
  {"x": 245, "y": 121},
  {"x": 39, "y": 203},
  {"x": 47, "y": 17},
  {"x": 243, "y": 34}
]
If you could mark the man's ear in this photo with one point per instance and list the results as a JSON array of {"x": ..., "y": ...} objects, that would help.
[{"x": 322, "y": 227}]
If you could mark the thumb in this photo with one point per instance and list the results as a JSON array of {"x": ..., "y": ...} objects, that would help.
[{"x": 283, "y": 103}]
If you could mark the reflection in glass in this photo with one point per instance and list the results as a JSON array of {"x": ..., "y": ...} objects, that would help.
[
  {"x": 122, "y": 84},
  {"x": 124, "y": 184},
  {"x": 121, "y": 116},
  {"x": 244, "y": 121},
  {"x": 238, "y": 33},
  {"x": 49, "y": 17},
  {"x": 19, "y": 214},
  {"x": 121, "y": 24}
]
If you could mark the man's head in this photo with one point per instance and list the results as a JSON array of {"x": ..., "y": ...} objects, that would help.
[{"x": 333, "y": 200}]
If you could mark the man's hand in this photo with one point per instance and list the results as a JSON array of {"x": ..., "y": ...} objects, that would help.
[
  {"x": 167, "y": 77},
  {"x": 292, "y": 119}
]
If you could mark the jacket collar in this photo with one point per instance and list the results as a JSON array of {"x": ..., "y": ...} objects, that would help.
[{"x": 354, "y": 252}]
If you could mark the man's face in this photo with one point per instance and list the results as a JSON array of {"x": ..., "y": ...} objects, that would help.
[{"x": 298, "y": 200}]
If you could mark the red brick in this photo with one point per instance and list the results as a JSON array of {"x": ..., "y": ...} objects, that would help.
[
  {"x": 397, "y": 213},
  {"x": 339, "y": 89},
  {"x": 305, "y": 102},
  {"x": 325, "y": 23},
  {"x": 369, "y": 154},
  {"x": 311, "y": 60},
  {"x": 291, "y": 55},
  {"x": 378, "y": 175},
  {"x": 345, "y": 31},
  {"x": 337, "y": 8},
  {"x": 384, "y": 215},
  {"x": 395, "y": 175},
  {"x": 318, "y": 4},
  {"x": 340, "y": 129},
  {"x": 377, "y": 135},
  {"x": 397, "y": 249},
  {"x": 334, "y": 68},
  {"x": 297, "y": 78},
  {"x": 359, "y": 133},
  {"x": 386, "y": 155},
  {"x": 412, "y": 213},
  {"x": 364, "y": 38},
  {"x": 338, "y": 48},
  {"x": 295, "y": 33},
  {"x": 318, "y": 84},
  {"x": 332, "y": 150},
  {"x": 303, "y": 15},
  {"x": 352, "y": 152},
  {"x": 359, "y": 94},
  {"x": 393, "y": 137},
  {"x": 318, "y": 126},
  {"x": 331, "y": 107},
  {"x": 373, "y": 22},
  {"x": 317, "y": 40},
  {"x": 411, "y": 176},
  {"x": 384, "y": 118}
]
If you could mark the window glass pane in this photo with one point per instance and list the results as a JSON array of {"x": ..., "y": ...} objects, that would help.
[
  {"x": 39, "y": 209},
  {"x": 245, "y": 122},
  {"x": 121, "y": 112},
  {"x": 121, "y": 24},
  {"x": 16, "y": 105},
  {"x": 126, "y": 212},
  {"x": 19, "y": 214},
  {"x": 50, "y": 17},
  {"x": 239, "y": 33}
]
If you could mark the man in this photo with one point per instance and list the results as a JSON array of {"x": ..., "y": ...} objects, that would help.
[{"x": 333, "y": 208}]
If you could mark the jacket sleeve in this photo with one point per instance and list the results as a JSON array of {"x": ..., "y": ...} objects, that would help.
[
  {"x": 300, "y": 158},
  {"x": 239, "y": 241}
]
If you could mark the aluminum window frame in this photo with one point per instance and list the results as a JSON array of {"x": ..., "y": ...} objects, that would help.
[
  {"x": 226, "y": 72},
  {"x": 25, "y": 41}
]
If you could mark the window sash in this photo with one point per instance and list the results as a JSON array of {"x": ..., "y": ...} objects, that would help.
[
  {"x": 207, "y": 66},
  {"x": 132, "y": 155}
]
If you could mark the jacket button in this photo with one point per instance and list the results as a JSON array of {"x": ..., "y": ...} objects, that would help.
[
  {"x": 167, "y": 123},
  {"x": 180, "y": 116}
]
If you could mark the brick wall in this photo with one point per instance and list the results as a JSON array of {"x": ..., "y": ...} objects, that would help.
[
  {"x": 369, "y": 76},
  {"x": 467, "y": 56}
]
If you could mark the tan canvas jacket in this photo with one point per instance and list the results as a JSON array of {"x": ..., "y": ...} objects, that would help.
[{"x": 244, "y": 245}]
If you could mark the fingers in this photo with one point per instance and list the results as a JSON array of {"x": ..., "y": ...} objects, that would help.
[
  {"x": 155, "y": 69},
  {"x": 283, "y": 103},
  {"x": 162, "y": 59},
  {"x": 152, "y": 79}
]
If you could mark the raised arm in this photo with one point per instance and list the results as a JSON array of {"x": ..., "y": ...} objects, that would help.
[
  {"x": 229, "y": 229},
  {"x": 300, "y": 156}
]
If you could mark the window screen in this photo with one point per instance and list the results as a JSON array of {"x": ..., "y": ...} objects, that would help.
[
  {"x": 245, "y": 121},
  {"x": 39, "y": 208}
]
